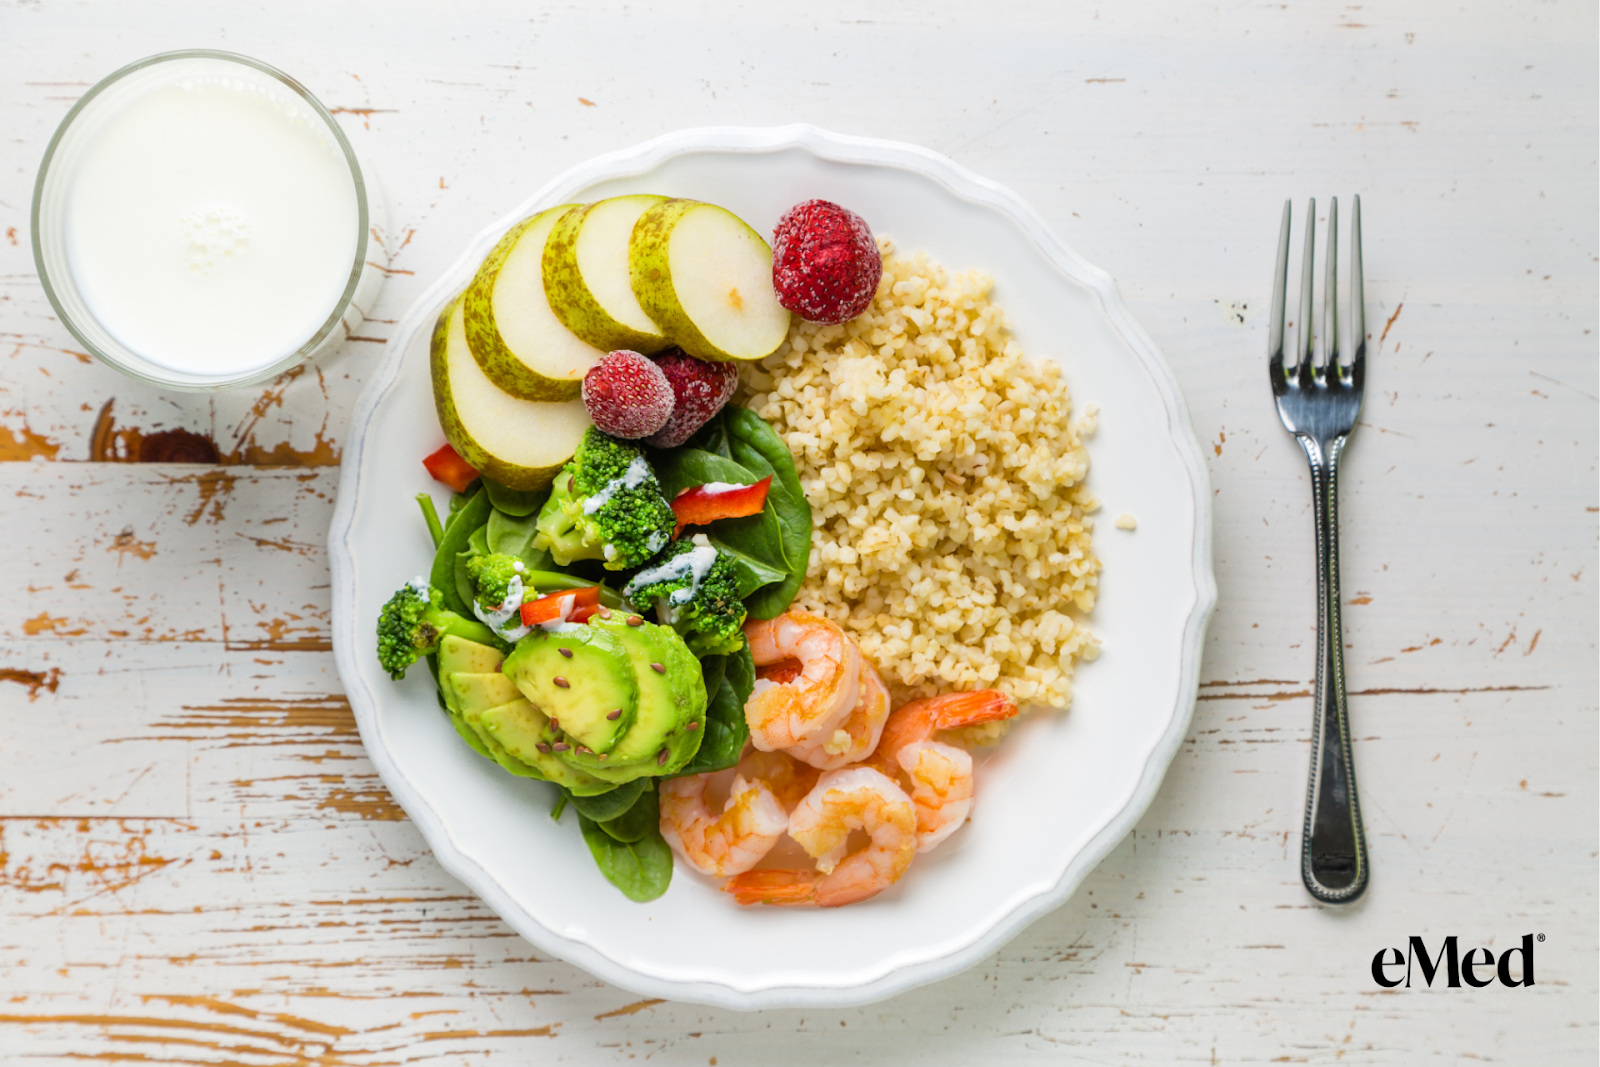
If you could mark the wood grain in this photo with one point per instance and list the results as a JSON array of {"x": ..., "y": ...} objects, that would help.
[{"x": 199, "y": 865}]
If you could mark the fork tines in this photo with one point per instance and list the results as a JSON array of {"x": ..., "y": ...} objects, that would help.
[{"x": 1335, "y": 369}]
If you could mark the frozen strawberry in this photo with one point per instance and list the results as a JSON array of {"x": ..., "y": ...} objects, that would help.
[
  {"x": 627, "y": 395},
  {"x": 825, "y": 264},
  {"x": 699, "y": 387}
]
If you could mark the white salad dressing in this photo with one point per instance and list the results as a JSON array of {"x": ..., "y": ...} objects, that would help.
[
  {"x": 694, "y": 564},
  {"x": 637, "y": 474},
  {"x": 718, "y": 488},
  {"x": 498, "y": 619}
]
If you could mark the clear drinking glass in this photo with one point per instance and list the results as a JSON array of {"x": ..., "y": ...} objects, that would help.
[{"x": 53, "y": 189}]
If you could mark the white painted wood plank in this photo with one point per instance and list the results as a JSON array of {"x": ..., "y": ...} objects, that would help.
[{"x": 296, "y": 928}]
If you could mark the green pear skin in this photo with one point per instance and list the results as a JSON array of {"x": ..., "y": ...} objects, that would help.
[
  {"x": 650, "y": 263},
  {"x": 521, "y": 444},
  {"x": 574, "y": 301},
  {"x": 546, "y": 362}
]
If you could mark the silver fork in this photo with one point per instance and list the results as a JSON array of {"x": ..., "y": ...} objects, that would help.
[{"x": 1318, "y": 402}]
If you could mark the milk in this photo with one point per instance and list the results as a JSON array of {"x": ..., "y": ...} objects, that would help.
[{"x": 211, "y": 223}]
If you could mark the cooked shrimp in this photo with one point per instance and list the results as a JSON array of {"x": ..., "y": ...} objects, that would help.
[
  {"x": 941, "y": 789},
  {"x": 788, "y": 778},
  {"x": 921, "y": 719},
  {"x": 855, "y": 798},
  {"x": 855, "y": 738},
  {"x": 941, "y": 775},
  {"x": 750, "y": 824},
  {"x": 786, "y": 708}
]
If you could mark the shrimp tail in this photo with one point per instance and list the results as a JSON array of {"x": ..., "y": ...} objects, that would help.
[
  {"x": 780, "y": 888},
  {"x": 972, "y": 709}
]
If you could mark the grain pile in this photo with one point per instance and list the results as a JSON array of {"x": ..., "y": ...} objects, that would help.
[{"x": 945, "y": 475}]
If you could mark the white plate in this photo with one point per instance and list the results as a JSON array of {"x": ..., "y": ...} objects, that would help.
[{"x": 1052, "y": 801}]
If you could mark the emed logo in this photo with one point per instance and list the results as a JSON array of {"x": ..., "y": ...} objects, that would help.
[{"x": 1454, "y": 965}]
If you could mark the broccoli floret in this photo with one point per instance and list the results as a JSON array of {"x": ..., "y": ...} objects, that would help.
[
  {"x": 491, "y": 578},
  {"x": 606, "y": 504},
  {"x": 413, "y": 623},
  {"x": 694, "y": 590}
]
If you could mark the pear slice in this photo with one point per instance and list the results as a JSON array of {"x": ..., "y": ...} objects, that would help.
[
  {"x": 519, "y": 443},
  {"x": 586, "y": 275},
  {"x": 706, "y": 279},
  {"x": 515, "y": 336}
]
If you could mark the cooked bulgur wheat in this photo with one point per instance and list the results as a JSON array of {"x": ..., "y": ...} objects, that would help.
[{"x": 945, "y": 476}]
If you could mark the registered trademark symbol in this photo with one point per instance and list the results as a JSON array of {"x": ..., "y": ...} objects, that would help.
[{"x": 1541, "y": 937}]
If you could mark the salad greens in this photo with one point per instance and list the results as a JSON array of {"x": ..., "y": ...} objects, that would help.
[
  {"x": 758, "y": 448},
  {"x": 612, "y": 805},
  {"x": 495, "y": 542},
  {"x": 729, "y": 681},
  {"x": 516, "y": 503},
  {"x": 738, "y": 447},
  {"x": 642, "y": 869},
  {"x": 641, "y": 820},
  {"x": 464, "y": 522},
  {"x": 513, "y": 535},
  {"x": 749, "y": 573}
]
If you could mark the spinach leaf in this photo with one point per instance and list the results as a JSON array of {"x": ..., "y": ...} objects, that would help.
[
  {"x": 758, "y": 536},
  {"x": 465, "y": 521},
  {"x": 642, "y": 869},
  {"x": 606, "y": 806},
  {"x": 463, "y": 583},
  {"x": 639, "y": 821},
  {"x": 725, "y": 729},
  {"x": 757, "y": 447},
  {"x": 515, "y": 502},
  {"x": 712, "y": 670},
  {"x": 477, "y": 545},
  {"x": 750, "y": 572},
  {"x": 713, "y": 436},
  {"x": 514, "y": 536},
  {"x": 683, "y": 468},
  {"x": 460, "y": 500}
]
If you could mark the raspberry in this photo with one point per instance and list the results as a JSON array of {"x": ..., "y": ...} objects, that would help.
[
  {"x": 627, "y": 395},
  {"x": 701, "y": 388},
  {"x": 825, "y": 264}
]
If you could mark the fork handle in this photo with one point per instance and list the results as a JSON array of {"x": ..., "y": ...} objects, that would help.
[{"x": 1333, "y": 853}]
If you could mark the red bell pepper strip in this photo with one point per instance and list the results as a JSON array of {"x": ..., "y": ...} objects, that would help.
[
  {"x": 697, "y": 506},
  {"x": 546, "y": 608},
  {"x": 447, "y": 466}
]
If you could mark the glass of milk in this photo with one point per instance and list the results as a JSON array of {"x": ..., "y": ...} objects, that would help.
[{"x": 200, "y": 222}]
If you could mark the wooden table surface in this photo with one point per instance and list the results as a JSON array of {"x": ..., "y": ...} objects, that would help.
[{"x": 198, "y": 863}]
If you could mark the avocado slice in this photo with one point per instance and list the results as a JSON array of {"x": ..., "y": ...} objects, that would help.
[
  {"x": 581, "y": 677},
  {"x": 470, "y": 695},
  {"x": 460, "y": 656},
  {"x": 672, "y": 705},
  {"x": 516, "y": 729},
  {"x": 504, "y": 726},
  {"x": 457, "y": 655},
  {"x": 481, "y": 690}
]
